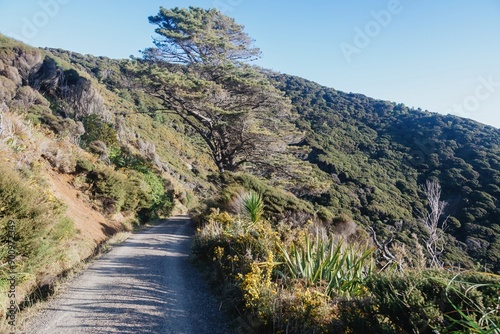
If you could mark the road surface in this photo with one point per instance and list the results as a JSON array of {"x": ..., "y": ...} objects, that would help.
[{"x": 145, "y": 285}]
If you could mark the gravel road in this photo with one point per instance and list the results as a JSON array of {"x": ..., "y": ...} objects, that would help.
[{"x": 145, "y": 285}]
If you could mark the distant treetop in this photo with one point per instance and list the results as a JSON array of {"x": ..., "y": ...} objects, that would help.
[{"x": 199, "y": 36}]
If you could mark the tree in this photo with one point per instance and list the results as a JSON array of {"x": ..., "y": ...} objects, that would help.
[
  {"x": 431, "y": 221},
  {"x": 199, "y": 36},
  {"x": 198, "y": 70}
]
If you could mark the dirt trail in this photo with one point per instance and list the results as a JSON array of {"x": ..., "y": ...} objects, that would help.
[{"x": 145, "y": 285}]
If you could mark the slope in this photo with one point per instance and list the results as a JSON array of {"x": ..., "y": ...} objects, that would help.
[{"x": 380, "y": 153}]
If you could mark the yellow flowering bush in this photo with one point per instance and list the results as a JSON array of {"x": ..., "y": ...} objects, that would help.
[
  {"x": 257, "y": 285},
  {"x": 223, "y": 217},
  {"x": 303, "y": 309}
]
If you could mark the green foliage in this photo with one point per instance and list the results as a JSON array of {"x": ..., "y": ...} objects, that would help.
[
  {"x": 239, "y": 258},
  {"x": 380, "y": 152},
  {"x": 231, "y": 105},
  {"x": 428, "y": 301},
  {"x": 96, "y": 129},
  {"x": 142, "y": 192},
  {"x": 122, "y": 158},
  {"x": 40, "y": 227},
  {"x": 254, "y": 206},
  {"x": 343, "y": 268},
  {"x": 303, "y": 284},
  {"x": 410, "y": 301},
  {"x": 84, "y": 165},
  {"x": 475, "y": 312},
  {"x": 276, "y": 201},
  {"x": 213, "y": 38},
  {"x": 109, "y": 188},
  {"x": 33, "y": 211}
]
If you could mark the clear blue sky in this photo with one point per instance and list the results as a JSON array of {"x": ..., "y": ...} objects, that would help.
[{"x": 443, "y": 56}]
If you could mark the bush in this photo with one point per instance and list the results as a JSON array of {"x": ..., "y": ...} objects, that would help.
[
  {"x": 246, "y": 265},
  {"x": 240, "y": 257},
  {"x": 109, "y": 188},
  {"x": 61, "y": 156},
  {"x": 276, "y": 201},
  {"x": 476, "y": 303},
  {"x": 318, "y": 285},
  {"x": 147, "y": 195},
  {"x": 343, "y": 268},
  {"x": 96, "y": 129},
  {"x": 130, "y": 190},
  {"x": 302, "y": 309},
  {"x": 84, "y": 166},
  {"x": 429, "y": 301},
  {"x": 41, "y": 229},
  {"x": 63, "y": 127}
]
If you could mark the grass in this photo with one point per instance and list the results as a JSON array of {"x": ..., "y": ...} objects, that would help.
[{"x": 471, "y": 315}]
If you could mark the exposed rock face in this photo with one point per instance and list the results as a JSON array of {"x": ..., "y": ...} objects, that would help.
[
  {"x": 26, "y": 62},
  {"x": 83, "y": 98},
  {"x": 47, "y": 78},
  {"x": 28, "y": 68}
]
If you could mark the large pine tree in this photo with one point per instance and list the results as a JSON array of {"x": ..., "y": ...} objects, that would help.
[{"x": 199, "y": 70}]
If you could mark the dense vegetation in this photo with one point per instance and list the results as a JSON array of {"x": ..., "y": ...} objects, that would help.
[
  {"x": 310, "y": 201},
  {"x": 381, "y": 153},
  {"x": 307, "y": 280}
]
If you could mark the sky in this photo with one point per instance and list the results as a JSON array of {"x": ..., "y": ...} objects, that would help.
[{"x": 442, "y": 56}]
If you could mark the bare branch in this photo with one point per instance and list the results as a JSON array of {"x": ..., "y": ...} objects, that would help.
[{"x": 431, "y": 222}]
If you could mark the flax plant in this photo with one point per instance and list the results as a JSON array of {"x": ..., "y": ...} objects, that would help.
[
  {"x": 253, "y": 205},
  {"x": 342, "y": 267}
]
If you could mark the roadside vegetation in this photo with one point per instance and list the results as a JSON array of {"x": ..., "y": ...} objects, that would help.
[{"x": 308, "y": 278}]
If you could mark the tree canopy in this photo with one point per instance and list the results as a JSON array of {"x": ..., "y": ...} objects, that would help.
[
  {"x": 199, "y": 71},
  {"x": 199, "y": 36}
]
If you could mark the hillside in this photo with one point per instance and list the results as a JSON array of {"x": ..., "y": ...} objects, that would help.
[
  {"x": 85, "y": 152},
  {"x": 380, "y": 153},
  {"x": 368, "y": 159},
  {"x": 74, "y": 172}
]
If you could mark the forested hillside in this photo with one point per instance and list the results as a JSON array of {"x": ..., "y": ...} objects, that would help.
[
  {"x": 137, "y": 139},
  {"x": 381, "y": 153}
]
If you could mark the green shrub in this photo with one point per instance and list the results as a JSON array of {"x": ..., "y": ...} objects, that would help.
[
  {"x": 123, "y": 158},
  {"x": 276, "y": 201},
  {"x": 130, "y": 190},
  {"x": 476, "y": 304},
  {"x": 232, "y": 250},
  {"x": 84, "y": 166},
  {"x": 109, "y": 187},
  {"x": 96, "y": 129},
  {"x": 40, "y": 228},
  {"x": 409, "y": 301},
  {"x": 429, "y": 301},
  {"x": 324, "y": 214}
]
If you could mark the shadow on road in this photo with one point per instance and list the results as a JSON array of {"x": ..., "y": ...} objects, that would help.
[{"x": 145, "y": 285}]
